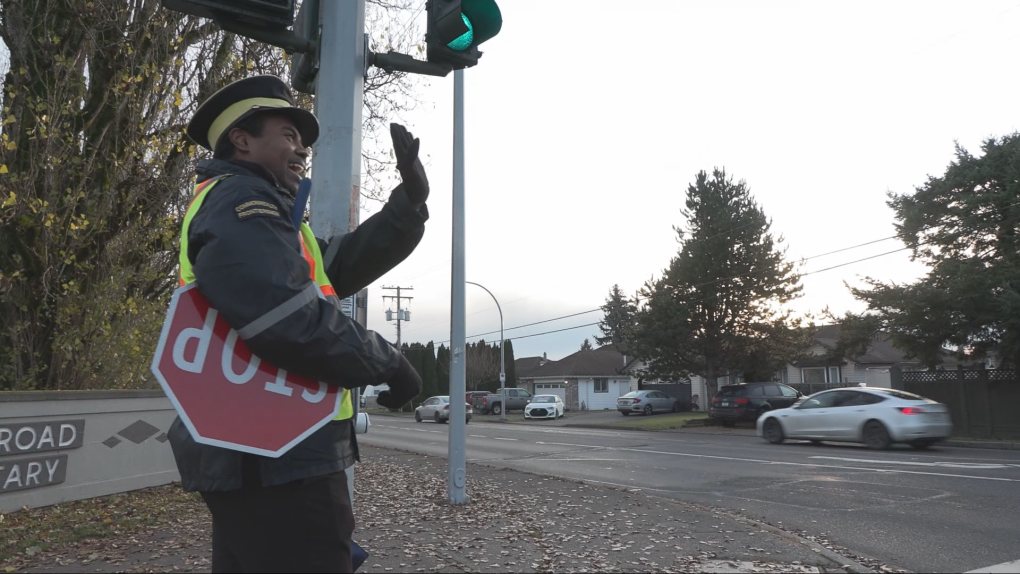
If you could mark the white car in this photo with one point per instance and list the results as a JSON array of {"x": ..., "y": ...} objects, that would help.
[
  {"x": 874, "y": 416},
  {"x": 545, "y": 407},
  {"x": 438, "y": 409}
]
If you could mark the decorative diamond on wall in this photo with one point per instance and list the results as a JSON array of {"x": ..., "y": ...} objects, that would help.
[
  {"x": 162, "y": 438},
  {"x": 112, "y": 441},
  {"x": 138, "y": 431}
]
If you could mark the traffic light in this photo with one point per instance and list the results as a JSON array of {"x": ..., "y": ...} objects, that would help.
[
  {"x": 457, "y": 27},
  {"x": 266, "y": 14}
]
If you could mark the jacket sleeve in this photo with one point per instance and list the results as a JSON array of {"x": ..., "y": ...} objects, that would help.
[
  {"x": 248, "y": 263},
  {"x": 354, "y": 260}
]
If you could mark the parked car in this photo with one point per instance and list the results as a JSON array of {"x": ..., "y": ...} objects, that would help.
[
  {"x": 874, "y": 416},
  {"x": 516, "y": 399},
  {"x": 647, "y": 402},
  {"x": 438, "y": 410},
  {"x": 371, "y": 393},
  {"x": 748, "y": 401},
  {"x": 545, "y": 407},
  {"x": 470, "y": 395}
]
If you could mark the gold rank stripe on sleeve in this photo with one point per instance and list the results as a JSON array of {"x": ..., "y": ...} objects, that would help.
[{"x": 255, "y": 203}]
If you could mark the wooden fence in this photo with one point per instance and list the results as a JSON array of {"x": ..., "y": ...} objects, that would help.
[{"x": 983, "y": 403}]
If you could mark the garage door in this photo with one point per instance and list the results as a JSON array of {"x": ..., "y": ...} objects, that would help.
[{"x": 560, "y": 390}]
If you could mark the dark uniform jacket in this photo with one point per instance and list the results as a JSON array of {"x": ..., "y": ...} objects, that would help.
[{"x": 247, "y": 266}]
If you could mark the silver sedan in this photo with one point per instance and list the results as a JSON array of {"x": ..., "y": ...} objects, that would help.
[
  {"x": 647, "y": 402},
  {"x": 874, "y": 416},
  {"x": 438, "y": 409}
]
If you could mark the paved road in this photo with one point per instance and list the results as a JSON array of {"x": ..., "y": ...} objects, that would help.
[{"x": 943, "y": 510}]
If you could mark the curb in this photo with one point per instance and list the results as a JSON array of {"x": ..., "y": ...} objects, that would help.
[
  {"x": 838, "y": 559},
  {"x": 607, "y": 427}
]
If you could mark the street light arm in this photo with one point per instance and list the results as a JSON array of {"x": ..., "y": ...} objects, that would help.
[
  {"x": 502, "y": 363},
  {"x": 497, "y": 308}
]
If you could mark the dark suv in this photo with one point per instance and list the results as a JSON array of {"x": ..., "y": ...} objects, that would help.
[{"x": 747, "y": 401}]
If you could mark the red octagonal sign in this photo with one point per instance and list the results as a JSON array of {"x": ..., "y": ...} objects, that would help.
[{"x": 228, "y": 397}]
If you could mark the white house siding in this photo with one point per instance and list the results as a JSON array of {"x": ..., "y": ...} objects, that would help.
[{"x": 598, "y": 401}]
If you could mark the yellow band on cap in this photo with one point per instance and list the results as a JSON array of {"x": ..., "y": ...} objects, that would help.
[{"x": 238, "y": 109}]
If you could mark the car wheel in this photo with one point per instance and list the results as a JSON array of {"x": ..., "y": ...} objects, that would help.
[
  {"x": 922, "y": 444},
  {"x": 437, "y": 419},
  {"x": 649, "y": 410},
  {"x": 497, "y": 409},
  {"x": 773, "y": 431},
  {"x": 417, "y": 417},
  {"x": 467, "y": 420},
  {"x": 876, "y": 436},
  {"x": 676, "y": 407}
]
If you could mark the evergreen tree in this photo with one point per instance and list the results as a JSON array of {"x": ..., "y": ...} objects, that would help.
[
  {"x": 586, "y": 345},
  {"x": 719, "y": 306},
  {"x": 618, "y": 317},
  {"x": 511, "y": 369},
  {"x": 443, "y": 370},
  {"x": 965, "y": 226},
  {"x": 430, "y": 378}
]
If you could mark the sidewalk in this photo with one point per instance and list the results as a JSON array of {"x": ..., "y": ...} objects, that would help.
[{"x": 515, "y": 522}]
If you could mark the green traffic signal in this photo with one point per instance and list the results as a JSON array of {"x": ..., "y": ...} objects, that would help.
[
  {"x": 464, "y": 41},
  {"x": 457, "y": 27}
]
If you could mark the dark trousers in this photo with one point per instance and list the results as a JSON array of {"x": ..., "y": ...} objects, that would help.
[{"x": 302, "y": 526}]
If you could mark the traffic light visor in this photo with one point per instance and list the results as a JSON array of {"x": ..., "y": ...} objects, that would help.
[{"x": 483, "y": 18}]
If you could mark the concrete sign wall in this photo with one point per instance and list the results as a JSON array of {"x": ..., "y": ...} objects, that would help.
[{"x": 69, "y": 445}]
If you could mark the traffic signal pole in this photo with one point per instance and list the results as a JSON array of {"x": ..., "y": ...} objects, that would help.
[
  {"x": 457, "y": 458},
  {"x": 339, "y": 95}
]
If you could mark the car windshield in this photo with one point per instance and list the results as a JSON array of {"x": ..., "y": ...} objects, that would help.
[
  {"x": 544, "y": 399},
  {"x": 631, "y": 395},
  {"x": 444, "y": 399}
]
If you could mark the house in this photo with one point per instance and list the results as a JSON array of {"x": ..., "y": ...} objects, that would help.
[
  {"x": 871, "y": 368},
  {"x": 591, "y": 380},
  {"x": 818, "y": 370}
]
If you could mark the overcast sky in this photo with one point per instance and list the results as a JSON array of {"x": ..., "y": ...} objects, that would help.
[{"x": 586, "y": 123}]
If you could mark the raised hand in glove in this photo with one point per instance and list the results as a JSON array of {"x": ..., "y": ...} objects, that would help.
[
  {"x": 404, "y": 386},
  {"x": 405, "y": 149}
]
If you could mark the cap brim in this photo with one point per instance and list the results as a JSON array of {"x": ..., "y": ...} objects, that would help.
[{"x": 305, "y": 122}]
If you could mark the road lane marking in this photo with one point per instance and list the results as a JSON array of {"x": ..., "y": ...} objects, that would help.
[
  {"x": 569, "y": 444},
  {"x": 816, "y": 465},
  {"x": 478, "y": 435},
  {"x": 1013, "y": 566},
  {"x": 500, "y": 438},
  {"x": 961, "y": 465}
]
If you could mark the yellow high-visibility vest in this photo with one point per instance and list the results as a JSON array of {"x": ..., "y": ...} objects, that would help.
[{"x": 309, "y": 249}]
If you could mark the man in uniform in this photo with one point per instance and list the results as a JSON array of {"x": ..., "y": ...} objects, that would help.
[{"x": 279, "y": 287}]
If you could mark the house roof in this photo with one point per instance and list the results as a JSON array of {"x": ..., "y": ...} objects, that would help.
[
  {"x": 526, "y": 365},
  {"x": 605, "y": 361},
  {"x": 881, "y": 351}
]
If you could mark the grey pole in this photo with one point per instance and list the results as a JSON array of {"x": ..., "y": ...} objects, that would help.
[
  {"x": 502, "y": 365},
  {"x": 338, "y": 100},
  {"x": 457, "y": 478}
]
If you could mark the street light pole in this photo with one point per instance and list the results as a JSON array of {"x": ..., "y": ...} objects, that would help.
[{"x": 502, "y": 364}]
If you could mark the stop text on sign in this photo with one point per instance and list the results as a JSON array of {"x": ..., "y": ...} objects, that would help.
[{"x": 195, "y": 361}]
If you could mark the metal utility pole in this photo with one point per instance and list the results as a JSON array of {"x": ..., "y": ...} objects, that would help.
[
  {"x": 457, "y": 475},
  {"x": 502, "y": 363},
  {"x": 339, "y": 96},
  {"x": 402, "y": 314}
]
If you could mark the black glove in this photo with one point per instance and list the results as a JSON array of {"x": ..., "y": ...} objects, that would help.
[
  {"x": 404, "y": 386},
  {"x": 412, "y": 173}
]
